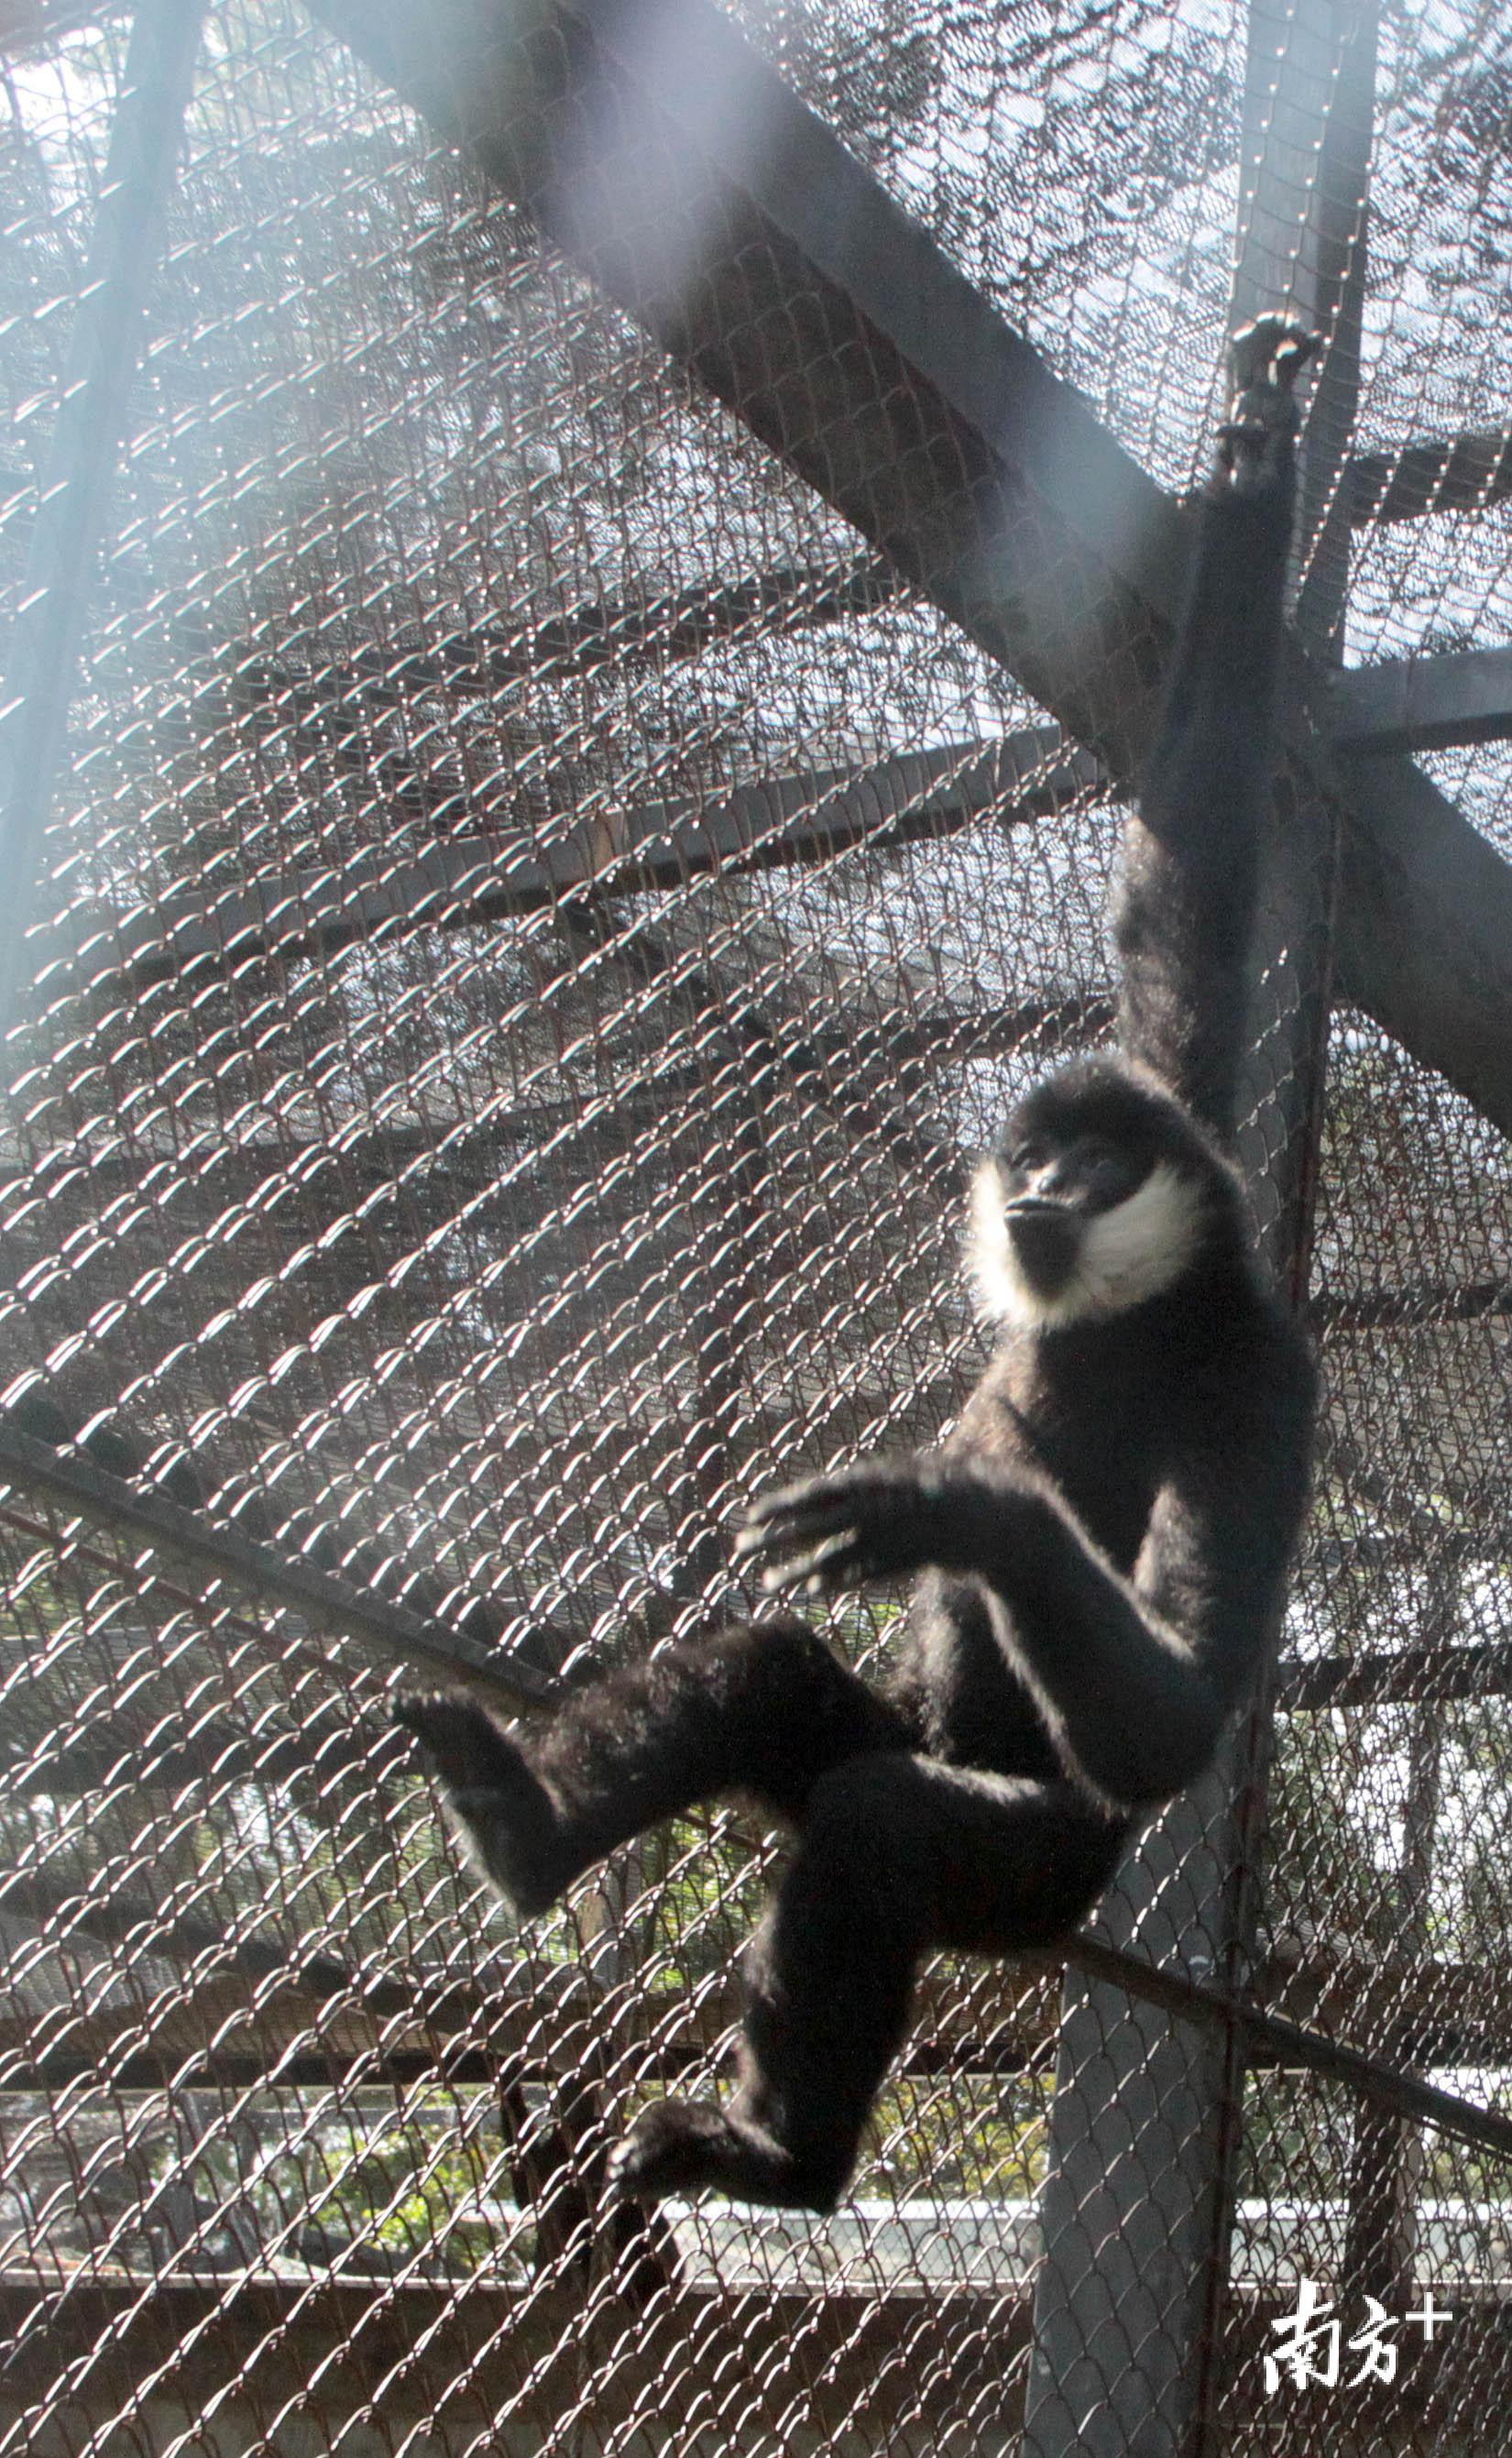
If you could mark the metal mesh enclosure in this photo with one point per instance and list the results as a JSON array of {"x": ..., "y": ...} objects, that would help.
[{"x": 591, "y": 777}]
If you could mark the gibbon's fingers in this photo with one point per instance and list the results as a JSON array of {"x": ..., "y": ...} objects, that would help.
[
  {"x": 1271, "y": 351},
  {"x": 807, "y": 1511},
  {"x": 808, "y": 1537},
  {"x": 786, "y": 1500},
  {"x": 1298, "y": 346},
  {"x": 805, "y": 1516},
  {"x": 843, "y": 1560},
  {"x": 461, "y": 1738},
  {"x": 870, "y": 1524},
  {"x": 819, "y": 1504}
]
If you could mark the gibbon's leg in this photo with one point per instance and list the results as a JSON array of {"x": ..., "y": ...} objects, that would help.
[
  {"x": 896, "y": 1854},
  {"x": 766, "y": 1709}
]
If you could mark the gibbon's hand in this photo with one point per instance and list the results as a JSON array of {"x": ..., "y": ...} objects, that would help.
[{"x": 880, "y": 1521}]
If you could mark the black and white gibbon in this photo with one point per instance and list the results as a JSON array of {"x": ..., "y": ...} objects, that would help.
[{"x": 1099, "y": 1549}]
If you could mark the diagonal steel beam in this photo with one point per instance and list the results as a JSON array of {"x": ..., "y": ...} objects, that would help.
[
  {"x": 788, "y": 819},
  {"x": 648, "y": 139},
  {"x": 697, "y": 191}
]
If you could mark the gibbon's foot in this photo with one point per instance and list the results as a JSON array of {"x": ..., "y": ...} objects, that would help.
[
  {"x": 881, "y": 1521},
  {"x": 508, "y": 1818},
  {"x": 680, "y": 2146}
]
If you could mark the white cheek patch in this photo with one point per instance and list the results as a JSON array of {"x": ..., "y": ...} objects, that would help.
[
  {"x": 1127, "y": 1255},
  {"x": 1144, "y": 1244},
  {"x": 1003, "y": 1294}
]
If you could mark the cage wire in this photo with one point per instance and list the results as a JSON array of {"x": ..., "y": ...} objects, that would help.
[{"x": 538, "y": 907}]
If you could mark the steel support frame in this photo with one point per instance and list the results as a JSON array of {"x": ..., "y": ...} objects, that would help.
[{"x": 722, "y": 215}]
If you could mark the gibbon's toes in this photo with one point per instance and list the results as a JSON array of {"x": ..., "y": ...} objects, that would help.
[
  {"x": 681, "y": 2146},
  {"x": 504, "y": 1813},
  {"x": 668, "y": 2150},
  {"x": 460, "y": 1738}
]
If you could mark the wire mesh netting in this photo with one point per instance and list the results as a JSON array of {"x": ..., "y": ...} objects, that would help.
[{"x": 546, "y": 888}]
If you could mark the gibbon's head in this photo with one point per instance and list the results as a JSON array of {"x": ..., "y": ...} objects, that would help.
[{"x": 1098, "y": 1195}]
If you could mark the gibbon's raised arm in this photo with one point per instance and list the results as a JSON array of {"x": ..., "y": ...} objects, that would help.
[{"x": 1185, "y": 915}]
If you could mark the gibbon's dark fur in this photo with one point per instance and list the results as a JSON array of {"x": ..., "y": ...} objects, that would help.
[{"x": 1100, "y": 1547}]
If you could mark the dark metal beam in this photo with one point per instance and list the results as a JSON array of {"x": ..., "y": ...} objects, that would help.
[
  {"x": 76, "y": 1488},
  {"x": 1424, "y": 703},
  {"x": 1425, "y": 932},
  {"x": 1461, "y": 474},
  {"x": 596, "y": 637},
  {"x": 1430, "y": 1306},
  {"x": 806, "y": 818},
  {"x": 1145, "y": 2130},
  {"x": 1437, "y": 1676},
  {"x": 703, "y": 196},
  {"x": 1295, "y": 2048}
]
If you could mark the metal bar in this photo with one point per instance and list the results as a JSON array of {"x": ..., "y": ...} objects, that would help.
[
  {"x": 102, "y": 358},
  {"x": 1273, "y": 2040},
  {"x": 809, "y": 817},
  {"x": 1137, "y": 2203},
  {"x": 328, "y": 1607},
  {"x": 726, "y": 218},
  {"x": 1425, "y": 930},
  {"x": 1442, "y": 1675},
  {"x": 1424, "y": 703},
  {"x": 1428, "y": 1307},
  {"x": 1461, "y": 474},
  {"x": 1328, "y": 285},
  {"x": 1316, "y": 146},
  {"x": 483, "y": 2336},
  {"x": 1386, "y": 2164},
  {"x": 580, "y": 640},
  {"x": 1293, "y": 2045}
]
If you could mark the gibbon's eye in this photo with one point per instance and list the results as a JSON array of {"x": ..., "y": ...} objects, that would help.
[
  {"x": 1107, "y": 1171},
  {"x": 1027, "y": 1158}
]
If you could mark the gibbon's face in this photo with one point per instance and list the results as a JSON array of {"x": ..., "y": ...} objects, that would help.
[{"x": 1090, "y": 1203}]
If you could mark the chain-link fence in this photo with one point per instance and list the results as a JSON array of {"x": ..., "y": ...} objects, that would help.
[{"x": 598, "y": 698}]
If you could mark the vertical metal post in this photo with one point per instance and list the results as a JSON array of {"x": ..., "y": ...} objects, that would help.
[
  {"x": 1309, "y": 126},
  {"x": 1387, "y": 2163},
  {"x": 1137, "y": 2206},
  {"x": 102, "y": 358}
]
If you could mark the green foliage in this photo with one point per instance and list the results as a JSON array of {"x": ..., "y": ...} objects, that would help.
[{"x": 969, "y": 2138}]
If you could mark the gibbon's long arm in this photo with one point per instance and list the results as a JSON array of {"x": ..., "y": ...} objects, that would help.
[
  {"x": 1133, "y": 1676},
  {"x": 1190, "y": 856},
  {"x": 1136, "y": 1678}
]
